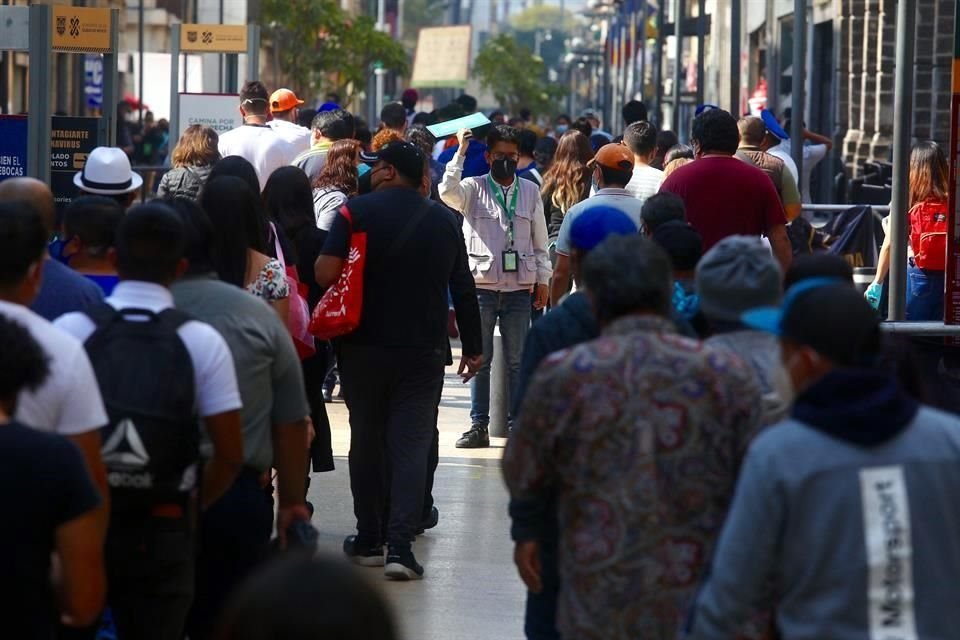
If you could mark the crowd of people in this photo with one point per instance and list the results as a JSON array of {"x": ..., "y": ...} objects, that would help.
[{"x": 709, "y": 434}]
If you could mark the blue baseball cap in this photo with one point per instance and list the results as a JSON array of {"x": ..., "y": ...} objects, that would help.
[
  {"x": 703, "y": 108},
  {"x": 773, "y": 126},
  {"x": 596, "y": 224},
  {"x": 328, "y": 106}
]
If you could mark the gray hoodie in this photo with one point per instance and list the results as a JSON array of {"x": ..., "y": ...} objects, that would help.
[{"x": 852, "y": 508}]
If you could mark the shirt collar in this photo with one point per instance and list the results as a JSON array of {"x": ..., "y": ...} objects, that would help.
[
  {"x": 134, "y": 294},
  {"x": 639, "y": 323},
  {"x": 613, "y": 191},
  {"x": 749, "y": 147}
]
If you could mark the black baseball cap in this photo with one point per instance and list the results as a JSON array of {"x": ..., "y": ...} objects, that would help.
[
  {"x": 827, "y": 315},
  {"x": 405, "y": 157}
]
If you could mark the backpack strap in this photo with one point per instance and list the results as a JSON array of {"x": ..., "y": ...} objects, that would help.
[
  {"x": 173, "y": 319},
  {"x": 102, "y": 314}
]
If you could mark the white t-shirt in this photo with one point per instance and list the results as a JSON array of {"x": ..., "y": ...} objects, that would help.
[
  {"x": 298, "y": 137},
  {"x": 215, "y": 378},
  {"x": 812, "y": 155},
  {"x": 69, "y": 402},
  {"x": 260, "y": 146},
  {"x": 326, "y": 206},
  {"x": 645, "y": 182}
]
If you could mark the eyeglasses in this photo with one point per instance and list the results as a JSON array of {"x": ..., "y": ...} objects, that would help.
[{"x": 506, "y": 156}]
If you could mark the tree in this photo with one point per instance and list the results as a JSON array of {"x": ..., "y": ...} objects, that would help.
[
  {"x": 516, "y": 77},
  {"x": 544, "y": 17},
  {"x": 321, "y": 47}
]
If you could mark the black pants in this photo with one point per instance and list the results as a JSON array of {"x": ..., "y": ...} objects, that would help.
[
  {"x": 150, "y": 573},
  {"x": 234, "y": 539},
  {"x": 315, "y": 371},
  {"x": 392, "y": 395}
]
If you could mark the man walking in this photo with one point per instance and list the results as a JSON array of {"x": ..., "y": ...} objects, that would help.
[
  {"x": 612, "y": 428},
  {"x": 327, "y": 128},
  {"x": 753, "y": 150},
  {"x": 506, "y": 237},
  {"x": 254, "y": 140},
  {"x": 848, "y": 505},
  {"x": 160, "y": 372},
  {"x": 641, "y": 139},
  {"x": 392, "y": 365},
  {"x": 285, "y": 109}
]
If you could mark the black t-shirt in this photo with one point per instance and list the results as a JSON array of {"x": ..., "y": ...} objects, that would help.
[
  {"x": 43, "y": 484},
  {"x": 309, "y": 243},
  {"x": 405, "y": 293}
]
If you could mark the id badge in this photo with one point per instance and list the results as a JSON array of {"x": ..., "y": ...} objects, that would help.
[{"x": 511, "y": 261}]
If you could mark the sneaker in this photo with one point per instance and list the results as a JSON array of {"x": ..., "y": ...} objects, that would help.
[
  {"x": 401, "y": 565},
  {"x": 477, "y": 438},
  {"x": 430, "y": 521},
  {"x": 365, "y": 556}
]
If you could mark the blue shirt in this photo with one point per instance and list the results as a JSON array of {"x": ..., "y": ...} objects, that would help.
[
  {"x": 475, "y": 164},
  {"x": 64, "y": 291},
  {"x": 104, "y": 281}
]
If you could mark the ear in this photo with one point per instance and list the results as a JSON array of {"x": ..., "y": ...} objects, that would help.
[
  {"x": 74, "y": 245},
  {"x": 487, "y": 157}
]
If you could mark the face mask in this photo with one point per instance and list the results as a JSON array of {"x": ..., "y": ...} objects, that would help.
[
  {"x": 561, "y": 129},
  {"x": 503, "y": 168},
  {"x": 363, "y": 170},
  {"x": 363, "y": 183},
  {"x": 56, "y": 250}
]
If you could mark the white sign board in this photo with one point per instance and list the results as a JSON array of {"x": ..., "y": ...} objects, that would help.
[
  {"x": 218, "y": 111},
  {"x": 442, "y": 58}
]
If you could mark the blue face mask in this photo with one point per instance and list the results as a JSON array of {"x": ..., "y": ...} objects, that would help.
[
  {"x": 56, "y": 250},
  {"x": 561, "y": 129},
  {"x": 363, "y": 169}
]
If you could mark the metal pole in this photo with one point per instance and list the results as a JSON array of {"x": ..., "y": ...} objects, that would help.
[
  {"x": 799, "y": 81},
  {"x": 677, "y": 62},
  {"x": 658, "y": 69},
  {"x": 902, "y": 117},
  {"x": 379, "y": 72},
  {"x": 222, "y": 57},
  {"x": 111, "y": 85},
  {"x": 38, "y": 122},
  {"x": 253, "y": 52},
  {"x": 735, "y": 28},
  {"x": 174, "y": 86},
  {"x": 140, "y": 64}
]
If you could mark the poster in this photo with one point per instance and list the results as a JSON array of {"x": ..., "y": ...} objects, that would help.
[
  {"x": 71, "y": 141},
  {"x": 80, "y": 29},
  {"x": 13, "y": 147},
  {"x": 443, "y": 57},
  {"x": 219, "y": 111},
  {"x": 93, "y": 80},
  {"x": 213, "y": 38}
]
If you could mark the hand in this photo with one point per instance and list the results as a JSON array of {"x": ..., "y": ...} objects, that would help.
[
  {"x": 464, "y": 136},
  {"x": 543, "y": 295},
  {"x": 311, "y": 432},
  {"x": 469, "y": 366},
  {"x": 287, "y": 516},
  {"x": 526, "y": 555},
  {"x": 873, "y": 293}
]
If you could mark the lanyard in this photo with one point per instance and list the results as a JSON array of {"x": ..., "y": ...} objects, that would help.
[{"x": 509, "y": 211}]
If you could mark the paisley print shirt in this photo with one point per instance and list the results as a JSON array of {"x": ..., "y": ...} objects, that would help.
[{"x": 639, "y": 434}]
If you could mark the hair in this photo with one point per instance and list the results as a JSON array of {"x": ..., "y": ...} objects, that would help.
[
  {"x": 362, "y": 134},
  {"x": 525, "y": 113},
  {"x": 616, "y": 177},
  {"x": 682, "y": 242},
  {"x": 421, "y": 136},
  {"x": 641, "y": 138},
  {"x": 468, "y": 102},
  {"x": 503, "y": 133},
  {"x": 517, "y": 122},
  {"x": 409, "y": 98},
  {"x": 306, "y": 116},
  {"x": 288, "y": 200},
  {"x": 340, "y": 169},
  {"x": 95, "y": 220},
  {"x": 634, "y": 111},
  {"x": 583, "y": 125},
  {"x": 422, "y": 118},
  {"x": 716, "y": 132},
  {"x": 673, "y": 165},
  {"x": 23, "y": 239},
  {"x": 393, "y": 115},
  {"x": 254, "y": 97},
  {"x": 196, "y": 147},
  {"x": 666, "y": 140},
  {"x": 337, "y": 124},
  {"x": 628, "y": 274},
  {"x": 150, "y": 244},
  {"x": 496, "y": 114},
  {"x": 567, "y": 175},
  {"x": 817, "y": 265},
  {"x": 23, "y": 362},
  {"x": 528, "y": 142},
  {"x": 677, "y": 152},
  {"x": 298, "y": 596},
  {"x": 544, "y": 152},
  {"x": 236, "y": 215},
  {"x": 333, "y": 96},
  {"x": 660, "y": 208},
  {"x": 198, "y": 235},
  {"x": 383, "y": 138},
  {"x": 562, "y": 116},
  {"x": 236, "y": 167},
  {"x": 752, "y": 130},
  {"x": 929, "y": 173}
]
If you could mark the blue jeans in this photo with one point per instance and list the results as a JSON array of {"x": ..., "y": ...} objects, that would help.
[
  {"x": 513, "y": 311},
  {"x": 924, "y": 294}
]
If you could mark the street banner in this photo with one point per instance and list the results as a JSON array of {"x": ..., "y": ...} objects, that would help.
[
  {"x": 13, "y": 147},
  {"x": 951, "y": 302},
  {"x": 219, "y": 111},
  {"x": 80, "y": 29},
  {"x": 213, "y": 38},
  {"x": 442, "y": 58},
  {"x": 71, "y": 141}
]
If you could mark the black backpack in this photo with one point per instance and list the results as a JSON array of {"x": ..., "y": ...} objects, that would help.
[{"x": 151, "y": 446}]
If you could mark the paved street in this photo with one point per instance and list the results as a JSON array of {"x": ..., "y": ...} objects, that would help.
[{"x": 471, "y": 589}]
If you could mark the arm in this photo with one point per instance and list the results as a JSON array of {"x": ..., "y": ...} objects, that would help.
[
  {"x": 282, "y": 307},
  {"x": 883, "y": 262},
  {"x": 816, "y": 138},
  {"x": 791, "y": 196},
  {"x": 561, "y": 279},
  {"x": 780, "y": 243},
  {"x": 222, "y": 468},
  {"x": 774, "y": 222},
  {"x": 454, "y": 193},
  {"x": 82, "y": 584},
  {"x": 89, "y": 445},
  {"x": 540, "y": 242},
  {"x": 463, "y": 290},
  {"x": 336, "y": 248}
]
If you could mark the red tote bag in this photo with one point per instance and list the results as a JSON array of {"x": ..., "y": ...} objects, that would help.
[{"x": 339, "y": 310}]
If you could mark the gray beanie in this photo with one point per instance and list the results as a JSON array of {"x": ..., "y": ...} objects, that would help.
[{"x": 738, "y": 274}]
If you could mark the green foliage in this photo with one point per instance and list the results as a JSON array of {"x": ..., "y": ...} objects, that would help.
[
  {"x": 322, "y": 48},
  {"x": 544, "y": 17},
  {"x": 516, "y": 77}
]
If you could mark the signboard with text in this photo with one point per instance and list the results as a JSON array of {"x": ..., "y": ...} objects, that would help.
[
  {"x": 443, "y": 57},
  {"x": 219, "y": 111},
  {"x": 13, "y": 147},
  {"x": 71, "y": 141},
  {"x": 80, "y": 29},
  {"x": 93, "y": 80},
  {"x": 213, "y": 38}
]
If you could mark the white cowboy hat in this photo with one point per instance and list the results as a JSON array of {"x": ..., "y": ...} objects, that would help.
[{"x": 107, "y": 172}]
